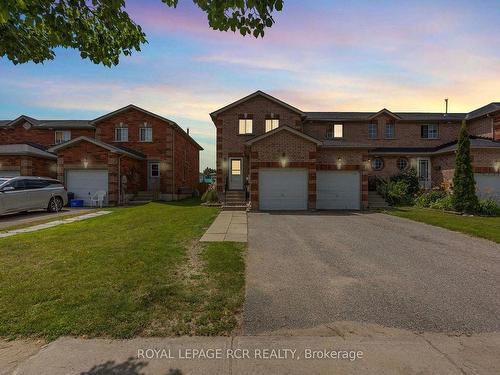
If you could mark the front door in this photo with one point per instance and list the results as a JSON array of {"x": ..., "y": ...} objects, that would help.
[
  {"x": 153, "y": 176},
  {"x": 424, "y": 173},
  {"x": 235, "y": 174}
]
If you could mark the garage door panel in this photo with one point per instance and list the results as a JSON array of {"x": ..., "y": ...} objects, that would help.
[
  {"x": 338, "y": 190},
  {"x": 85, "y": 183},
  {"x": 488, "y": 186},
  {"x": 4, "y": 173},
  {"x": 283, "y": 189}
]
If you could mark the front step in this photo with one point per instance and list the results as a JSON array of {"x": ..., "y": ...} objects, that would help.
[{"x": 376, "y": 201}]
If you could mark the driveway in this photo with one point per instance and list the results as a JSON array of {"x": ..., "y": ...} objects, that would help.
[
  {"x": 23, "y": 218},
  {"x": 312, "y": 269}
]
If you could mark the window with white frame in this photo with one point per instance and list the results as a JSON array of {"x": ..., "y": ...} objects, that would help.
[
  {"x": 430, "y": 131},
  {"x": 390, "y": 130},
  {"x": 246, "y": 126},
  {"x": 121, "y": 134},
  {"x": 372, "y": 131},
  {"x": 62, "y": 136},
  {"x": 145, "y": 134},
  {"x": 271, "y": 124}
]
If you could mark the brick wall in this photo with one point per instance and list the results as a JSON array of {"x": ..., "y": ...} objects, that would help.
[
  {"x": 481, "y": 127},
  {"x": 29, "y": 166},
  {"x": 45, "y": 137},
  {"x": 406, "y": 134},
  {"x": 230, "y": 143},
  {"x": 187, "y": 164}
]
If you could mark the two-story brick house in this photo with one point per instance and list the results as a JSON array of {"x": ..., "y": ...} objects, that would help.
[
  {"x": 123, "y": 152},
  {"x": 286, "y": 158}
]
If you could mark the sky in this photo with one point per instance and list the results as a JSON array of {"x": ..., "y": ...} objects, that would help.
[{"x": 358, "y": 55}]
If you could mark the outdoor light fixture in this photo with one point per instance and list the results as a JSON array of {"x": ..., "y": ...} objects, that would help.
[
  {"x": 224, "y": 163},
  {"x": 368, "y": 164},
  {"x": 339, "y": 163},
  {"x": 496, "y": 166},
  {"x": 283, "y": 160},
  {"x": 85, "y": 163}
]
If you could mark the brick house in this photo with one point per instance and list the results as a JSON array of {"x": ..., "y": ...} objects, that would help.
[
  {"x": 280, "y": 157},
  {"x": 125, "y": 152}
]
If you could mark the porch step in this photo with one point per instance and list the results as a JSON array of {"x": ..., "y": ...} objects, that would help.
[
  {"x": 376, "y": 201},
  {"x": 240, "y": 206}
]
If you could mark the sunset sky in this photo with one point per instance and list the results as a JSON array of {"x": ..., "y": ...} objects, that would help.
[{"x": 320, "y": 55}]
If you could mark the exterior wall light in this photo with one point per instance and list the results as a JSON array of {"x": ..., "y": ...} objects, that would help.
[
  {"x": 164, "y": 166},
  {"x": 283, "y": 161},
  {"x": 340, "y": 163},
  {"x": 413, "y": 163},
  {"x": 224, "y": 163},
  {"x": 85, "y": 163},
  {"x": 496, "y": 166},
  {"x": 368, "y": 164}
]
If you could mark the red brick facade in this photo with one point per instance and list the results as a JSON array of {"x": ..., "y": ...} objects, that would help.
[
  {"x": 354, "y": 151},
  {"x": 126, "y": 162}
]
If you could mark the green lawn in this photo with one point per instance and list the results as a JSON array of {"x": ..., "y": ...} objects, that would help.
[
  {"x": 485, "y": 227},
  {"x": 137, "y": 271}
]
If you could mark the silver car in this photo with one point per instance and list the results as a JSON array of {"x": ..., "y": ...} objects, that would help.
[{"x": 18, "y": 194}]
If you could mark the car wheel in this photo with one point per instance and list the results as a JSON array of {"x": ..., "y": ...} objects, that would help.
[{"x": 55, "y": 204}]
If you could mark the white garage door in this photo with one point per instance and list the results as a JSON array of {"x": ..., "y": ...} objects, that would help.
[
  {"x": 338, "y": 190},
  {"x": 488, "y": 186},
  {"x": 282, "y": 189},
  {"x": 9, "y": 173},
  {"x": 86, "y": 182}
]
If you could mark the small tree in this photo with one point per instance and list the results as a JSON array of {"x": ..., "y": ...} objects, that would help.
[{"x": 464, "y": 197}]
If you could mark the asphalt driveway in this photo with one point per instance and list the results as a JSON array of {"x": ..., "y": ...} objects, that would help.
[{"x": 306, "y": 270}]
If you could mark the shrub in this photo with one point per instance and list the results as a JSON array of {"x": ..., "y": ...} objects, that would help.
[
  {"x": 399, "y": 189},
  {"x": 427, "y": 198},
  {"x": 210, "y": 196},
  {"x": 489, "y": 207},
  {"x": 464, "y": 189},
  {"x": 444, "y": 203}
]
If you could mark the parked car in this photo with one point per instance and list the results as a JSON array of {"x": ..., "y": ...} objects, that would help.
[{"x": 18, "y": 194}]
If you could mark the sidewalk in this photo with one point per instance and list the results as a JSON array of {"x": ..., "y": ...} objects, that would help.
[
  {"x": 380, "y": 354},
  {"x": 228, "y": 226}
]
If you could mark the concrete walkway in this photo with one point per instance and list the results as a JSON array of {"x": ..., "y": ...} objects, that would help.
[
  {"x": 396, "y": 353},
  {"x": 228, "y": 226},
  {"x": 54, "y": 223}
]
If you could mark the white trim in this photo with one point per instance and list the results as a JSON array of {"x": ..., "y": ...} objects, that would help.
[
  {"x": 283, "y": 128},
  {"x": 64, "y": 139}
]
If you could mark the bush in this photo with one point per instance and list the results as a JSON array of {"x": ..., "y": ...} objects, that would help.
[
  {"x": 489, "y": 207},
  {"x": 400, "y": 189},
  {"x": 444, "y": 203},
  {"x": 427, "y": 198},
  {"x": 210, "y": 196}
]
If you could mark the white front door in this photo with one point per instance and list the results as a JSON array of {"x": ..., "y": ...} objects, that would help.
[
  {"x": 338, "y": 190},
  {"x": 282, "y": 189},
  {"x": 235, "y": 174},
  {"x": 424, "y": 172},
  {"x": 84, "y": 183},
  {"x": 153, "y": 176}
]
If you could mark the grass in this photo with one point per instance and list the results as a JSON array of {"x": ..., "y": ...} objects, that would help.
[
  {"x": 138, "y": 271},
  {"x": 478, "y": 226}
]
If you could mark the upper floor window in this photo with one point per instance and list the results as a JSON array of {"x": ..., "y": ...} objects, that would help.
[
  {"x": 246, "y": 126},
  {"x": 372, "y": 131},
  {"x": 121, "y": 134},
  {"x": 390, "y": 130},
  {"x": 429, "y": 131},
  {"x": 335, "y": 131},
  {"x": 272, "y": 124},
  {"x": 145, "y": 134},
  {"x": 62, "y": 136}
]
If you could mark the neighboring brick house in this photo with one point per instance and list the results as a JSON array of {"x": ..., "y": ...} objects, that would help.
[
  {"x": 284, "y": 158},
  {"x": 123, "y": 153}
]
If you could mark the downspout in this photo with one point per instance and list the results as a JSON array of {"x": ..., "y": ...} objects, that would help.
[
  {"x": 119, "y": 180},
  {"x": 173, "y": 162}
]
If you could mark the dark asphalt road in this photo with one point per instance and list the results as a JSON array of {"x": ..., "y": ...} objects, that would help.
[{"x": 305, "y": 270}]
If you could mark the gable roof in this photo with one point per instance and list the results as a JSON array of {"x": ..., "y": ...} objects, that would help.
[
  {"x": 253, "y": 95},
  {"x": 365, "y": 116},
  {"x": 107, "y": 146},
  {"x": 25, "y": 149},
  {"x": 483, "y": 111},
  {"x": 280, "y": 129},
  {"x": 25, "y": 118},
  {"x": 384, "y": 111},
  {"x": 132, "y": 106}
]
